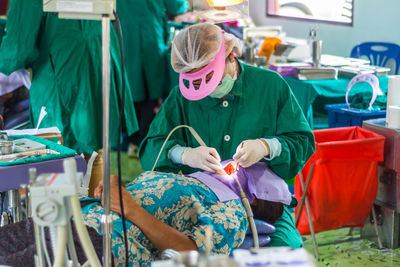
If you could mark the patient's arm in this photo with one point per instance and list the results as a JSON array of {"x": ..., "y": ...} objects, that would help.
[{"x": 160, "y": 234}]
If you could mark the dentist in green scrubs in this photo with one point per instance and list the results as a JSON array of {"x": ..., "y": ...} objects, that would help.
[{"x": 249, "y": 115}]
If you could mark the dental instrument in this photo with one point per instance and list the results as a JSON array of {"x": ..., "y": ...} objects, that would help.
[{"x": 54, "y": 199}]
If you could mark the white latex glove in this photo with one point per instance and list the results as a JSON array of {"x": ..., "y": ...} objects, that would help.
[
  {"x": 250, "y": 152},
  {"x": 202, "y": 157}
]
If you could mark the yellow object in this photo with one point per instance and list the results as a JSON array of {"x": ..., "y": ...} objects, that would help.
[
  {"x": 221, "y": 3},
  {"x": 268, "y": 47},
  {"x": 97, "y": 171}
]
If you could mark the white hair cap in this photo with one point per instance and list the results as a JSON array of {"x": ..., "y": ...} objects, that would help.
[{"x": 197, "y": 45}]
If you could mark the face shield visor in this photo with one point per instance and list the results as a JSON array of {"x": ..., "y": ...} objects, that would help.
[{"x": 215, "y": 68}]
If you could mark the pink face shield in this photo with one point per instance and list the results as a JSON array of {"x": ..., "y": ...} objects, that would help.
[{"x": 216, "y": 66}]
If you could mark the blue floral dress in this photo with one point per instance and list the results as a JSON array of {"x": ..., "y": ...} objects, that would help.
[{"x": 183, "y": 203}]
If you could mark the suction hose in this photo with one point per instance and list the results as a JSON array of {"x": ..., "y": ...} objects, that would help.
[
  {"x": 70, "y": 172},
  {"x": 192, "y": 131},
  {"x": 250, "y": 216},
  {"x": 59, "y": 259}
]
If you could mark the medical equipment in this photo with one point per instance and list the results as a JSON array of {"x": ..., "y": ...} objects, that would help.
[
  {"x": 261, "y": 32},
  {"x": 387, "y": 202},
  {"x": 3, "y": 136},
  {"x": 80, "y": 9},
  {"x": 274, "y": 256},
  {"x": 25, "y": 155},
  {"x": 230, "y": 170},
  {"x": 98, "y": 10},
  {"x": 316, "y": 52},
  {"x": 217, "y": 11},
  {"x": 24, "y": 144},
  {"x": 252, "y": 36},
  {"x": 243, "y": 197},
  {"x": 193, "y": 258},
  {"x": 6, "y": 147},
  {"x": 54, "y": 199},
  {"x": 313, "y": 73}
]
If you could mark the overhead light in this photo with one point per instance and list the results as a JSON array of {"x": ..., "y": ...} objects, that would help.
[
  {"x": 217, "y": 11},
  {"x": 223, "y": 3}
]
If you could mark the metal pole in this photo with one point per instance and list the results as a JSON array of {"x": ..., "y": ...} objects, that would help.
[
  {"x": 376, "y": 227},
  {"x": 303, "y": 197},
  {"x": 14, "y": 205},
  {"x": 32, "y": 178},
  {"x": 106, "y": 221},
  {"x": 309, "y": 218}
]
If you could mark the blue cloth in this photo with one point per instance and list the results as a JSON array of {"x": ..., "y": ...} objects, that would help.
[{"x": 183, "y": 203}]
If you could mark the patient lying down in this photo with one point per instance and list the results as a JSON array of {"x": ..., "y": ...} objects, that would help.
[
  {"x": 165, "y": 210},
  {"x": 172, "y": 211}
]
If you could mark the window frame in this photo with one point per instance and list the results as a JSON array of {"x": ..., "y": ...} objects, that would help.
[{"x": 269, "y": 14}]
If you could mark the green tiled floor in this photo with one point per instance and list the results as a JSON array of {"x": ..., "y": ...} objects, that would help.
[{"x": 357, "y": 253}]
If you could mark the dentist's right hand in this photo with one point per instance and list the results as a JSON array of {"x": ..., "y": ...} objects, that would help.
[{"x": 202, "y": 157}]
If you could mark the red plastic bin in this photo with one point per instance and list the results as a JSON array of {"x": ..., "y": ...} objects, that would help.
[{"x": 344, "y": 182}]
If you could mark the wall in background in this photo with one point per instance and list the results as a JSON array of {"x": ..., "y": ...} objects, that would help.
[{"x": 374, "y": 20}]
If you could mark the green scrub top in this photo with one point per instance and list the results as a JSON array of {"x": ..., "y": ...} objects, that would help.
[
  {"x": 146, "y": 34},
  {"x": 260, "y": 105},
  {"x": 66, "y": 61}
]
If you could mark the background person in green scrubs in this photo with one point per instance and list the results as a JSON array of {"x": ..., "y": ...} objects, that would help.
[
  {"x": 65, "y": 58},
  {"x": 250, "y": 116},
  {"x": 145, "y": 41}
]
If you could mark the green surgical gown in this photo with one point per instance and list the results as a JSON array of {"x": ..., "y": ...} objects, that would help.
[
  {"x": 66, "y": 61},
  {"x": 260, "y": 105},
  {"x": 146, "y": 35}
]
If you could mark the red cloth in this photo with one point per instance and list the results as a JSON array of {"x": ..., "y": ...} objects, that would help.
[{"x": 344, "y": 182}]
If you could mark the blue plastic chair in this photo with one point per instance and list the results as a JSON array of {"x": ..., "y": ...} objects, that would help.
[{"x": 378, "y": 53}]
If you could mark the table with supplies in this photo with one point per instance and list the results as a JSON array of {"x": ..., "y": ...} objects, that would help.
[
  {"x": 308, "y": 92},
  {"x": 14, "y": 167}
]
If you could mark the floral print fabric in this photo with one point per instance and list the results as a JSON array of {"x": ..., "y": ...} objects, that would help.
[{"x": 183, "y": 203}]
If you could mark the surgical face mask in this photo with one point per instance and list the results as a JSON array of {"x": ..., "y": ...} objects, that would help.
[{"x": 225, "y": 87}]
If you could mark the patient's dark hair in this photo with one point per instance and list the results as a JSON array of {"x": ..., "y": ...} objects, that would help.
[{"x": 267, "y": 210}]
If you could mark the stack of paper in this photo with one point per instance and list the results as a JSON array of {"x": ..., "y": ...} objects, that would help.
[
  {"x": 41, "y": 131},
  {"x": 336, "y": 61}
]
